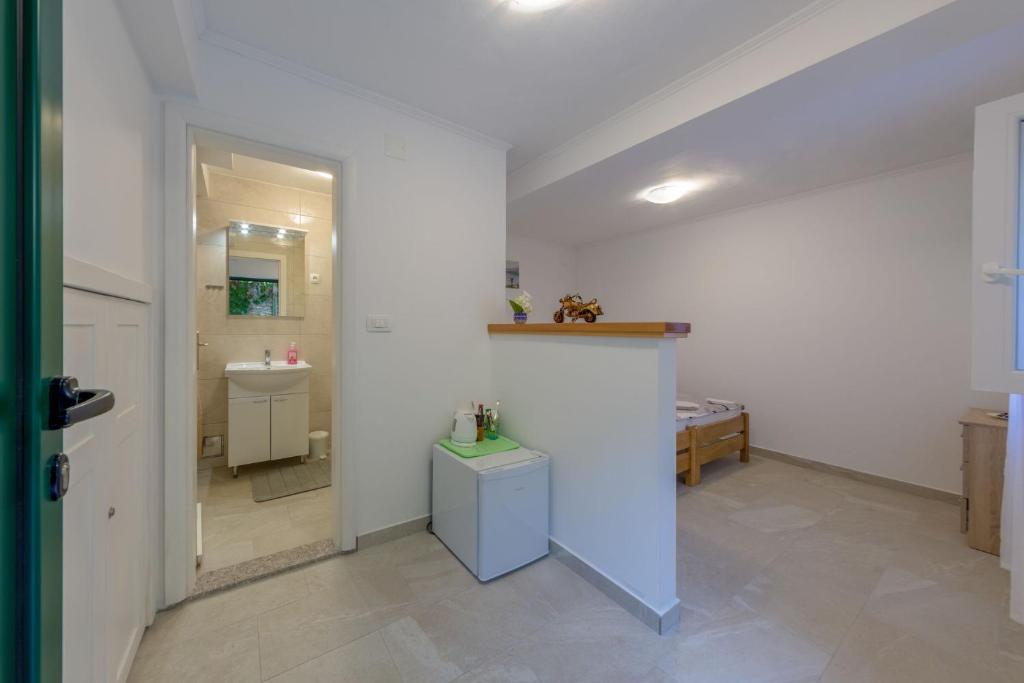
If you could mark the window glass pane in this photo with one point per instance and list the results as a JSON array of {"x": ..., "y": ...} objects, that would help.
[{"x": 248, "y": 296}]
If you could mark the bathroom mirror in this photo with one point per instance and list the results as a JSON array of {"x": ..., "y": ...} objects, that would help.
[{"x": 266, "y": 271}]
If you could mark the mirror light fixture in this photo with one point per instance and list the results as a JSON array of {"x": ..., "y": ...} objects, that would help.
[
  {"x": 324, "y": 174},
  {"x": 535, "y": 5},
  {"x": 282, "y": 233},
  {"x": 670, "y": 192},
  {"x": 243, "y": 228}
]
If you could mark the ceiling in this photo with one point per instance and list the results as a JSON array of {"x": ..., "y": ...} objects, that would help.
[
  {"x": 531, "y": 80},
  {"x": 904, "y": 98}
]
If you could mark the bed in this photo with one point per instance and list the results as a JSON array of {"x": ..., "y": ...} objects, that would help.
[{"x": 703, "y": 439}]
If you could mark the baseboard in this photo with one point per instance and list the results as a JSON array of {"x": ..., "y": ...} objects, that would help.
[
  {"x": 661, "y": 623},
  {"x": 877, "y": 480},
  {"x": 390, "y": 533}
]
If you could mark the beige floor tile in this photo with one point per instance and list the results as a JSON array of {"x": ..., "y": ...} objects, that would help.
[
  {"x": 743, "y": 647},
  {"x": 780, "y": 569},
  {"x": 817, "y": 587},
  {"x": 209, "y": 614},
  {"x": 228, "y": 654},
  {"x": 236, "y": 528},
  {"x": 775, "y": 519},
  {"x": 415, "y": 655},
  {"x": 594, "y": 645},
  {"x": 365, "y": 660},
  {"x": 878, "y": 652}
]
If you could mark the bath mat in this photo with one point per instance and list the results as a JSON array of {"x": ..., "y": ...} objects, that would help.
[{"x": 287, "y": 480}]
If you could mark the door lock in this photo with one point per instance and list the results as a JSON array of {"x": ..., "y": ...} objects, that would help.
[{"x": 60, "y": 476}]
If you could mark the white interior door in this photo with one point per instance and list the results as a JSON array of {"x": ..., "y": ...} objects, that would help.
[{"x": 998, "y": 250}]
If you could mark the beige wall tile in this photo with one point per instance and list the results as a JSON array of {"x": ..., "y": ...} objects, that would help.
[
  {"x": 319, "y": 393},
  {"x": 315, "y": 349},
  {"x": 318, "y": 239},
  {"x": 318, "y": 314},
  {"x": 321, "y": 265},
  {"x": 213, "y": 397},
  {"x": 212, "y": 215},
  {"x": 315, "y": 204},
  {"x": 254, "y": 193}
]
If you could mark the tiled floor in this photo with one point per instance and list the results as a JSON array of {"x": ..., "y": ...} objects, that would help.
[
  {"x": 236, "y": 528},
  {"x": 785, "y": 574}
]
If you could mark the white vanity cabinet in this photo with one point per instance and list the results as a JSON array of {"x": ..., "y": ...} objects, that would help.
[
  {"x": 248, "y": 430},
  {"x": 289, "y": 426},
  {"x": 268, "y": 412}
]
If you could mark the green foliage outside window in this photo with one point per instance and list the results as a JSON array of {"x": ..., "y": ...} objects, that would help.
[{"x": 247, "y": 296}]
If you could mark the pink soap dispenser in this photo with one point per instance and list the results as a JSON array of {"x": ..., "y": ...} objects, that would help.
[{"x": 293, "y": 354}]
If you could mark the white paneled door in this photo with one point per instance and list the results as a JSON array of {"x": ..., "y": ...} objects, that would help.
[{"x": 105, "y": 343}]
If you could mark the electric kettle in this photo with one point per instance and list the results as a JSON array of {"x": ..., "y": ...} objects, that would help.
[{"x": 464, "y": 427}]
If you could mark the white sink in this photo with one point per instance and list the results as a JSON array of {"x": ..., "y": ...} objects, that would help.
[
  {"x": 277, "y": 367},
  {"x": 254, "y": 378}
]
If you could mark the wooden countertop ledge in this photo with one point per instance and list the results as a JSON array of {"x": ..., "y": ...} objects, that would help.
[{"x": 650, "y": 330}]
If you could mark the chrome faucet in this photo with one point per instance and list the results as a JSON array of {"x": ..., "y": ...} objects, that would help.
[{"x": 266, "y": 357}]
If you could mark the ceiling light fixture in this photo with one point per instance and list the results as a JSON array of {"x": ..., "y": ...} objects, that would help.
[
  {"x": 282, "y": 233},
  {"x": 535, "y": 5},
  {"x": 670, "y": 192}
]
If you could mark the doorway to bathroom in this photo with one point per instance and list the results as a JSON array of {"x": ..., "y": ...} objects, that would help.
[{"x": 264, "y": 290}]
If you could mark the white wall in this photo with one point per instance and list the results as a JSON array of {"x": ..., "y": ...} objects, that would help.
[
  {"x": 613, "y": 494},
  {"x": 841, "y": 317},
  {"x": 428, "y": 240},
  {"x": 546, "y": 270},
  {"x": 110, "y": 157}
]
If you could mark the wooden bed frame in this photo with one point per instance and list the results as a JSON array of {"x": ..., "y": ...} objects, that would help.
[{"x": 701, "y": 444}]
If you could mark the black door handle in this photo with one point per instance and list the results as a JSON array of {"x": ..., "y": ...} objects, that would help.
[{"x": 70, "y": 405}]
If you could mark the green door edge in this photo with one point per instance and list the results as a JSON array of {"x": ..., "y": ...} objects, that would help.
[
  {"x": 8, "y": 345},
  {"x": 32, "y": 323}
]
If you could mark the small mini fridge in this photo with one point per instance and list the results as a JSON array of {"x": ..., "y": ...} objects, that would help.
[{"x": 492, "y": 512}]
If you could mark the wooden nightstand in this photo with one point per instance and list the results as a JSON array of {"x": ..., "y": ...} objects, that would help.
[{"x": 984, "y": 455}]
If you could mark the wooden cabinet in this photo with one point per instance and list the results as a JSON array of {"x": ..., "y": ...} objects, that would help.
[{"x": 984, "y": 440}]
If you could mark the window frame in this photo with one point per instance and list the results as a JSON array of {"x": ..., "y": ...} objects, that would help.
[{"x": 996, "y": 221}]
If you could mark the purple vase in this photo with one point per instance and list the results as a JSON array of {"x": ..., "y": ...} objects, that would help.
[{"x": 519, "y": 318}]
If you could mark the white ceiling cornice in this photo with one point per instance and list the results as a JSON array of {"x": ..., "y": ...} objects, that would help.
[
  {"x": 229, "y": 44},
  {"x": 823, "y": 29},
  {"x": 773, "y": 33}
]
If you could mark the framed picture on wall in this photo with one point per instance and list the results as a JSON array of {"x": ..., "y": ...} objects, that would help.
[{"x": 512, "y": 274}]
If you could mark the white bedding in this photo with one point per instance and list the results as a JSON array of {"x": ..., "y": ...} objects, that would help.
[{"x": 707, "y": 414}]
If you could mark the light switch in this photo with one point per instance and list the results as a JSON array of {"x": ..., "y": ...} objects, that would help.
[{"x": 376, "y": 322}]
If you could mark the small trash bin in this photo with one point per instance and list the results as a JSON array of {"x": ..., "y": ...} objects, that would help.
[{"x": 318, "y": 445}]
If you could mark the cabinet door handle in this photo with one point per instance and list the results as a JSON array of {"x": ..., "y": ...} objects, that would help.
[
  {"x": 280, "y": 400},
  {"x": 262, "y": 400}
]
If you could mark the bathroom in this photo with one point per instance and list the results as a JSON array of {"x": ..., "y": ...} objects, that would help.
[{"x": 264, "y": 336}]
